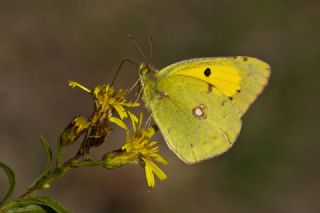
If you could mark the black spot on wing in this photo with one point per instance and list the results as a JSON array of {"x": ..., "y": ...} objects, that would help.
[
  {"x": 210, "y": 88},
  {"x": 162, "y": 95},
  {"x": 207, "y": 72}
]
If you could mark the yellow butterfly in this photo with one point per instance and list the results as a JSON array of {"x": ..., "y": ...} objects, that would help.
[{"x": 198, "y": 103}]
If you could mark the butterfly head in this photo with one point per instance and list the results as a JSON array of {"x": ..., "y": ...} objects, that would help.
[{"x": 146, "y": 71}]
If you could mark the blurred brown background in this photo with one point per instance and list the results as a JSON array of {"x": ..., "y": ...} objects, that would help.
[{"x": 274, "y": 165}]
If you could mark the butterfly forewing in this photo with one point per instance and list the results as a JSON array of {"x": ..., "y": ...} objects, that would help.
[{"x": 241, "y": 79}]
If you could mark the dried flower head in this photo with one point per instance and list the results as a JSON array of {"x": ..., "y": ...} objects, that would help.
[{"x": 107, "y": 103}]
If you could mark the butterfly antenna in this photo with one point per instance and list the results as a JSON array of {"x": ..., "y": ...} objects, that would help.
[
  {"x": 137, "y": 46},
  {"x": 150, "y": 46},
  {"x": 119, "y": 68}
]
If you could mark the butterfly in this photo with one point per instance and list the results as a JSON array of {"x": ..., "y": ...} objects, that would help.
[{"x": 198, "y": 103}]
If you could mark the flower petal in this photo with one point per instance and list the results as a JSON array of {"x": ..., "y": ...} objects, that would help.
[
  {"x": 140, "y": 121},
  {"x": 119, "y": 122},
  {"x": 161, "y": 159},
  {"x": 134, "y": 120},
  {"x": 74, "y": 84},
  {"x": 130, "y": 104},
  {"x": 149, "y": 174},
  {"x": 157, "y": 171},
  {"x": 120, "y": 110}
]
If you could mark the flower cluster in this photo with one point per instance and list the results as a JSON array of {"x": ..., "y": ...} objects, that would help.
[
  {"x": 111, "y": 106},
  {"x": 97, "y": 127},
  {"x": 146, "y": 151}
]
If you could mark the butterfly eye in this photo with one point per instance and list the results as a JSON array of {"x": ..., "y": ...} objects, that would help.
[{"x": 143, "y": 69}]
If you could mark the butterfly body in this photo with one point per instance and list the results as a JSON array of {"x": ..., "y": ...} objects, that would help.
[{"x": 198, "y": 103}]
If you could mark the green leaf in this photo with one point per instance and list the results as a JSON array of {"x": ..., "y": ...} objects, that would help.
[
  {"x": 36, "y": 205},
  {"x": 47, "y": 170},
  {"x": 46, "y": 145},
  {"x": 29, "y": 208},
  {"x": 12, "y": 181},
  {"x": 50, "y": 203}
]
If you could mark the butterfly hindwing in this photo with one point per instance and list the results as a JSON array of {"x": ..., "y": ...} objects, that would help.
[{"x": 197, "y": 120}]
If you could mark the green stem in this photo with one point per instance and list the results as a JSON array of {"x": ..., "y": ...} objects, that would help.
[
  {"x": 9, "y": 205},
  {"x": 110, "y": 160},
  {"x": 59, "y": 154},
  {"x": 58, "y": 173}
]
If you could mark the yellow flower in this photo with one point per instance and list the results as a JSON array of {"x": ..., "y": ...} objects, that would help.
[
  {"x": 106, "y": 100},
  {"x": 138, "y": 148},
  {"x": 140, "y": 144},
  {"x": 105, "y": 96}
]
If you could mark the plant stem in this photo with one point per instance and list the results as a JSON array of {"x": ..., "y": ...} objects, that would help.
[{"x": 46, "y": 181}]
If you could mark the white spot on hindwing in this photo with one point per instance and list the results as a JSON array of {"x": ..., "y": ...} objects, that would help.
[{"x": 200, "y": 111}]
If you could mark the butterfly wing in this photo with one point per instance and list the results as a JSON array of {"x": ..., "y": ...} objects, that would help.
[
  {"x": 240, "y": 78},
  {"x": 197, "y": 121}
]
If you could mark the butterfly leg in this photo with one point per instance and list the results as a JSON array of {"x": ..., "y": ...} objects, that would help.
[
  {"x": 148, "y": 122},
  {"x": 133, "y": 86},
  {"x": 139, "y": 95}
]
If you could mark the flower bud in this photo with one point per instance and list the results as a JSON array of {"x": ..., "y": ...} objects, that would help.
[{"x": 74, "y": 130}]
